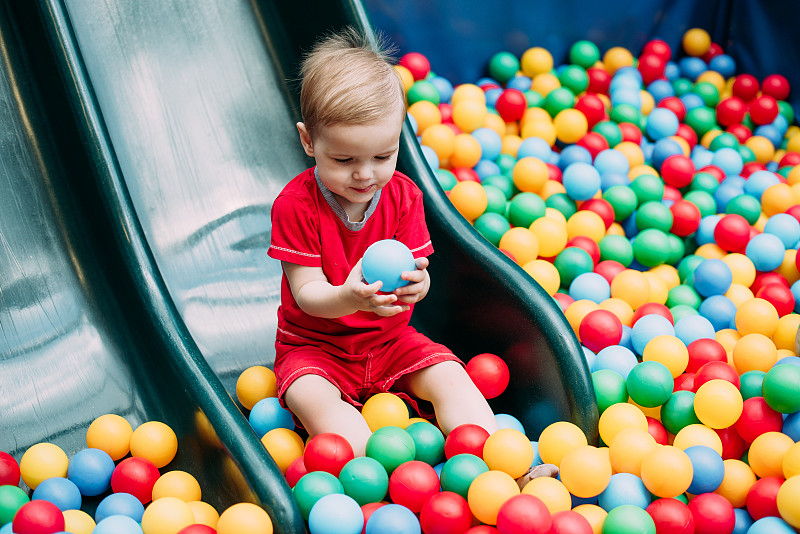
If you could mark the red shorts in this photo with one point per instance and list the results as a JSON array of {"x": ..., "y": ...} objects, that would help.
[{"x": 360, "y": 376}]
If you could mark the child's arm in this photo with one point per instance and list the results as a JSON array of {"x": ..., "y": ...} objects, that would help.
[
  {"x": 318, "y": 297},
  {"x": 420, "y": 283}
]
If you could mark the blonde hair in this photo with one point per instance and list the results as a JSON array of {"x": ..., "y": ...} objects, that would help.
[{"x": 349, "y": 79}]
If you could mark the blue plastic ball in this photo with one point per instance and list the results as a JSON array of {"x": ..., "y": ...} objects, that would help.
[
  {"x": 770, "y": 525},
  {"x": 611, "y": 160},
  {"x": 60, "y": 491},
  {"x": 268, "y": 414},
  {"x": 537, "y": 459},
  {"x": 505, "y": 420},
  {"x": 729, "y": 160},
  {"x": 573, "y": 154},
  {"x": 712, "y": 277},
  {"x": 705, "y": 232},
  {"x": 520, "y": 83},
  {"x": 692, "y": 67},
  {"x": 589, "y": 356},
  {"x": 796, "y": 294},
  {"x": 791, "y": 426},
  {"x": 726, "y": 192},
  {"x": 694, "y": 327},
  {"x": 624, "y": 488},
  {"x": 610, "y": 179},
  {"x": 707, "y": 467},
  {"x": 786, "y": 227},
  {"x": 393, "y": 519},
  {"x": 616, "y": 358},
  {"x": 413, "y": 122},
  {"x": 485, "y": 168},
  {"x": 648, "y": 327},
  {"x": 661, "y": 122},
  {"x": 766, "y": 251},
  {"x": 336, "y": 513},
  {"x": 760, "y": 181},
  {"x": 691, "y": 101},
  {"x": 701, "y": 156},
  {"x": 672, "y": 72},
  {"x": 719, "y": 310},
  {"x": 90, "y": 470},
  {"x": 117, "y": 524},
  {"x": 581, "y": 181},
  {"x": 443, "y": 87},
  {"x": 534, "y": 147},
  {"x": 660, "y": 89},
  {"x": 625, "y": 340},
  {"x": 119, "y": 504},
  {"x": 490, "y": 141},
  {"x": 431, "y": 157},
  {"x": 770, "y": 132},
  {"x": 386, "y": 260},
  {"x": 664, "y": 148},
  {"x": 6, "y": 529},
  {"x": 724, "y": 64},
  {"x": 743, "y": 521},
  {"x": 590, "y": 286}
]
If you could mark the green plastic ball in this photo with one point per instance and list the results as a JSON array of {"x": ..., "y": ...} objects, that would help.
[
  {"x": 678, "y": 411},
  {"x": 647, "y": 187},
  {"x": 558, "y": 100},
  {"x": 751, "y": 384},
  {"x": 609, "y": 388},
  {"x": 682, "y": 310},
  {"x": 654, "y": 214},
  {"x": 704, "y": 181},
  {"x": 312, "y": 487},
  {"x": 650, "y": 384},
  {"x": 391, "y": 446},
  {"x": 584, "y": 53},
  {"x": 785, "y": 109},
  {"x": 746, "y": 206},
  {"x": 677, "y": 249},
  {"x": 610, "y": 131},
  {"x": 747, "y": 154},
  {"x": 623, "y": 199},
  {"x": 429, "y": 442},
  {"x": 503, "y": 66},
  {"x": 724, "y": 140},
  {"x": 782, "y": 388},
  {"x": 11, "y": 499},
  {"x": 683, "y": 294},
  {"x": 617, "y": 248},
  {"x": 681, "y": 86},
  {"x": 525, "y": 208},
  {"x": 574, "y": 78},
  {"x": 422, "y": 90},
  {"x": 496, "y": 199},
  {"x": 626, "y": 113},
  {"x": 563, "y": 203},
  {"x": 492, "y": 226},
  {"x": 506, "y": 163},
  {"x": 707, "y": 92},
  {"x": 447, "y": 180},
  {"x": 534, "y": 98},
  {"x": 502, "y": 182},
  {"x": 572, "y": 262},
  {"x": 628, "y": 519},
  {"x": 703, "y": 200},
  {"x": 365, "y": 480},
  {"x": 651, "y": 247},
  {"x": 701, "y": 119},
  {"x": 687, "y": 266},
  {"x": 459, "y": 471}
]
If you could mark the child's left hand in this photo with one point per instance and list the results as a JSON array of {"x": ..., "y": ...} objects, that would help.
[{"x": 420, "y": 282}]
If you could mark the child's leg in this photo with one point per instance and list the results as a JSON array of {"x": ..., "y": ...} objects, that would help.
[
  {"x": 319, "y": 406},
  {"x": 455, "y": 398}
]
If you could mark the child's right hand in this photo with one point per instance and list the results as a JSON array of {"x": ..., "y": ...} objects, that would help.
[{"x": 365, "y": 296}]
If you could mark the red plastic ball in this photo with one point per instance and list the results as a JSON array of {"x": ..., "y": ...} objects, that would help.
[
  {"x": 368, "y": 509},
  {"x": 592, "y": 107},
  {"x": 554, "y": 173},
  {"x": 768, "y": 278},
  {"x": 609, "y": 269},
  {"x": 445, "y": 513},
  {"x": 481, "y": 529},
  {"x": 732, "y": 233},
  {"x": 764, "y": 109},
  {"x": 740, "y": 131},
  {"x": 593, "y": 142},
  {"x": 489, "y": 373},
  {"x": 789, "y": 159},
  {"x": 599, "y": 81},
  {"x": 295, "y": 471},
  {"x": 659, "y": 48},
  {"x": 9, "y": 470},
  {"x": 600, "y": 329},
  {"x": 716, "y": 371},
  {"x": 412, "y": 484},
  {"x": 712, "y": 514},
  {"x": 570, "y": 522},
  {"x": 136, "y": 476},
  {"x": 511, "y": 105},
  {"x": 588, "y": 244},
  {"x": 685, "y": 218},
  {"x": 630, "y": 132},
  {"x": 677, "y": 170},
  {"x": 464, "y": 174},
  {"x": 327, "y": 452},
  {"x": 751, "y": 167},
  {"x": 563, "y": 300},
  {"x": 651, "y": 67},
  {"x": 465, "y": 439},
  {"x": 780, "y": 296},
  {"x": 447, "y": 112},
  {"x": 704, "y": 350},
  {"x": 762, "y": 498},
  {"x": 675, "y": 105},
  {"x": 671, "y": 516},
  {"x": 687, "y": 133},
  {"x": 456, "y": 130},
  {"x": 649, "y": 308},
  {"x": 197, "y": 528},
  {"x": 714, "y": 50},
  {"x": 602, "y": 207},
  {"x": 38, "y": 517},
  {"x": 776, "y": 86},
  {"x": 683, "y": 382},
  {"x": 417, "y": 64},
  {"x": 657, "y": 430},
  {"x": 671, "y": 193},
  {"x": 715, "y": 171},
  {"x": 757, "y": 418},
  {"x": 486, "y": 86},
  {"x": 524, "y": 514},
  {"x": 733, "y": 446},
  {"x": 731, "y": 111},
  {"x": 745, "y": 86}
]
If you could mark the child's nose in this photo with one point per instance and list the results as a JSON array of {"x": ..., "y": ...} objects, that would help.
[{"x": 363, "y": 172}]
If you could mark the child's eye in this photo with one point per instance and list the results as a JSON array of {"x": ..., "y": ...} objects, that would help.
[
  {"x": 382, "y": 158},
  {"x": 342, "y": 160}
]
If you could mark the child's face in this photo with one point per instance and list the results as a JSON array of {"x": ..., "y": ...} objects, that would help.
[{"x": 355, "y": 160}]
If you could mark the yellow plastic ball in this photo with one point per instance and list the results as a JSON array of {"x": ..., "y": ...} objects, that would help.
[
  {"x": 593, "y": 514},
  {"x": 756, "y": 316},
  {"x": 557, "y": 439},
  {"x": 551, "y": 491},
  {"x": 110, "y": 433},
  {"x": 571, "y": 125},
  {"x": 647, "y": 105},
  {"x": 553, "y": 213},
  {"x": 551, "y": 235},
  {"x": 742, "y": 269},
  {"x": 466, "y": 151},
  {"x": 254, "y": 384},
  {"x": 667, "y": 471},
  {"x": 488, "y": 492},
  {"x": 777, "y": 199},
  {"x": 536, "y": 60},
  {"x": 244, "y": 518},
  {"x": 385, "y": 409},
  {"x": 714, "y": 78},
  {"x": 166, "y": 516},
  {"x": 754, "y": 352},
  {"x": 767, "y": 452},
  {"x": 739, "y": 294},
  {"x": 718, "y": 403},
  {"x": 178, "y": 484},
  {"x": 550, "y": 188},
  {"x": 620, "y": 308},
  {"x": 632, "y": 152},
  {"x": 405, "y": 76},
  {"x": 789, "y": 501},
  {"x": 762, "y": 148},
  {"x": 204, "y": 513},
  {"x": 696, "y": 42},
  {"x": 787, "y": 268},
  {"x": 469, "y": 115},
  {"x": 585, "y": 471},
  {"x": 154, "y": 441},
  {"x": 545, "y": 274},
  {"x": 530, "y": 174},
  {"x": 617, "y": 57},
  {"x": 727, "y": 337},
  {"x": 710, "y": 251},
  {"x": 535, "y": 114},
  {"x": 659, "y": 292},
  {"x": 544, "y": 83},
  {"x": 508, "y": 450},
  {"x": 42, "y": 461},
  {"x": 496, "y": 123},
  {"x": 510, "y": 145},
  {"x": 628, "y": 449},
  {"x": 668, "y": 274},
  {"x": 576, "y": 311},
  {"x": 640, "y": 170},
  {"x": 542, "y": 129},
  {"x": 618, "y": 417},
  {"x": 426, "y": 114},
  {"x": 784, "y": 336},
  {"x": 469, "y": 198},
  {"x": 631, "y": 286},
  {"x": 794, "y": 174},
  {"x": 668, "y": 350},
  {"x": 468, "y": 91},
  {"x": 521, "y": 243},
  {"x": 284, "y": 445},
  {"x": 78, "y": 522},
  {"x": 736, "y": 482},
  {"x": 697, "y": 434},
  {"x": 441, "y": 138},
  {"x": 586, "y": 223},
  {"x": 791, "y": 462}
]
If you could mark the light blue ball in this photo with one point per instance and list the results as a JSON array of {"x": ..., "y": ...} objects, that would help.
[
  {"x": 707, "y": 468},
  {"x": 505, "y": 420},
  {"x": 91, "y": 470},
  {"x": 701, "y": 156},
  {"x": 589, "y": 356},
  {"x": 625, "y": 340},
  {"x": 661, "y": 122},
  {"x": 386, "y": 260},
  {"x": 611, "y": 160},
  {"x": 719, "y": 310},
  {"x": 520, "y": 83},
  {"x": 534, "y": 147},
  {"x": 581, "y": 181},
  {"x": 490, "y": 141},
  {"x": 766, "y": 251},
  {"x": 692, "y": 67},
  {"x": 268, "y": 414},
  {"x": 616, "y": 358},
  {"x": 662, "y": 149},
  {"x": 648, "y": 327},
  {"x": 796, "y": 293},
  {"x": 60, "y": 491},
  {"x": 729, "y": 160},
  {"x": 6, "y": 529},
  {"x": 705, "y": 232},
  {"x": 725, "y": 193},
  {"x": 336, "y": 513},
  {"x": 660, "y": 89},
  {"x": 724, "y": 64},
  {"x": 760, "y": 181},
  {"x": 431, "y": 157},
  {"x": 786, "y": 227},
  {"x": 443, "y": 87},
  {"x": 791, "y": 426},
  {"x": 694, "y": 327},
  {"x": 770, "y": 525},
  {"x": 691, "y": 101},
  {"x": 413, "y": 123},
  {"x": 624, "y": 488},
  {"x": 610, "y": 179},
  {"x": 119, "y": 504},
  {"x": 770, "y": 132},
  {"x": 537, "y": 459},
  {"x": 573, "y": 154},
  {"x": 117, "y": 524},
  {"x": 492, "y": 95},
  {"x": 672, "y": 72},
  {"x": 743, "y": 521},
  {"x": 393, "y": 519},
  {"x": 625, "y": 95},
  {"x": 712, "y": 277},
  {"x": 590, "y": 286}
]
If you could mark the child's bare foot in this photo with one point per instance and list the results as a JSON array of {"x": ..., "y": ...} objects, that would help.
[{"x": 537, "y": 471}]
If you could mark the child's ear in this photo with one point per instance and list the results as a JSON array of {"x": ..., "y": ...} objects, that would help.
[{"x": 305, "y": 139}]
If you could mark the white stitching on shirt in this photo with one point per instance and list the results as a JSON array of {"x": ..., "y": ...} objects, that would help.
[
  {"x": 296, "y": 252},
  {"x": 422, "y": 247}
]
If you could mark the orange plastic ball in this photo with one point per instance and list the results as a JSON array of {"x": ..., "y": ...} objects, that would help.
[
  {"x": 254, "y": 384},
  {"x": 530, "y": 174},
  {"x": 667, "y": 471},
  {"x": 521, "y": 243},
  {"x": 469, "y": 198},
  {"x": 154, "y": 441},
  {"x": 110, "y": 433}
]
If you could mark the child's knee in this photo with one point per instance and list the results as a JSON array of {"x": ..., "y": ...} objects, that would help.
[{"x": 310, "y": 389}]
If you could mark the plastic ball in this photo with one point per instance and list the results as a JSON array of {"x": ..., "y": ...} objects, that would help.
[
  {"x": 428, "y": 442},
  {"x": 327, "y": 452},
  {"x": 488, "y": 492},
  {"x": 585, "y": 471},
  {"x": 412, "y": 484},
  {"x": 712, "y": 277},
  {"x": 489, "y": 373},
  {"x": 179, "y": 484},
  {"x": 312, "y": 487},
  {"x": 11, "y": 499},
  {"x": 335, "y": 514},
  {"x": 788, "y": 499},
  {"x": 609, "y": 388},
  {"x": 648, "y": 328},
  {"x": 154, "y": 441},
  {"x": 9, "y": 470},
  {"x": 629, "y": 519},
  {"x": 365, "y": 480},
  {"x": 546, "y": 275},
  {"x": 780, "y": 296},
  {"x": 244, "y": 518},
  {"x": 508, "y": 450},
  {"x": 718, "y": 404},
  {"x": 417, "y": 64},
  {"x": 762, "y": 498},
  {"x": 38, "y": 517},
  {"x": 669, "y": 351},
  {"x": 732, "y": 232},
  {"x": 557, "y": 439},
  {"x": 459, "y": 471},
  {"x": 197, "y": 528},
  {"x": 616, "y": 358},
  {"x": 650, "y": 384},
  {"x": 465, "y": 439},
  {"x": 42, "y": 461},
  {"x": 766, "y": 251},
  {"x": 757, "y": 418},
  {"x": 708, "y": 469},
  {"x": 392, "y": 518},
  {"x": 628, "y": 448},
  {"x": 391, "y": 446},
  {"x": 119, "y": 504},
  {"x": 79, "y": 522},
  {"x": 137, "y": 476},
  {"x": 524, "y": 514},
  {"x": 385, "y": 409},
  {"x": 445, "y": 513},
  {"x": 551, "y": 491},
  {"x": 766, "y": 454},
  {"x": 111, "y": 433},
  {"x": 387, "y": 259},
  {"x": 284, "y": 446},
  {"x": 581, "y": 180},
  {"x": 255, "y": 383},
  {"x": 600, "y": 329},
  {"x": 60, "y": 491},
  {"x": 671, "y": 516},
  {"x": 712, "y": 513},
  {"x": 90, "y": 470},
  {"x": 754, "y": 352},
  {"x": 615, "y": 419},
  {"x": 781, "y": 387},
  {"x": 756, "y": 316},
  {"x": 667, "y": 471}
]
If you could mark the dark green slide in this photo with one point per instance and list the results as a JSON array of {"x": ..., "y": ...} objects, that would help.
[{"x": 143, "y": 145}]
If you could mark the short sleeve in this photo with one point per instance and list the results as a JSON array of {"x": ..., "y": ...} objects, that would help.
[
  {"x": 412, "y": 229},
  {"x": 295, "y": 235}
]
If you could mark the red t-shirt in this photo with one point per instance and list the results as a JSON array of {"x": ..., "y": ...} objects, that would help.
[{"x": 306, "y": 231}]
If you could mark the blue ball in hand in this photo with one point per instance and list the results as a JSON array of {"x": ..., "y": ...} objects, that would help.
[{"x": 386, "y": 260}]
